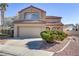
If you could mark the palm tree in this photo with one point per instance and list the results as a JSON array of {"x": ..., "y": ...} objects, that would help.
[{"x": 3, "y": 9}]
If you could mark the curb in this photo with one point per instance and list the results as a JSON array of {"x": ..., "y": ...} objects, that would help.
[{"x": 64, "y": 46}]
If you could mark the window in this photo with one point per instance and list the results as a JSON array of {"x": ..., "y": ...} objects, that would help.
[
  {"x": 47, "y": 28},
  {"x": 53, "y": 28},
  {"x": 32, "y": 16}
]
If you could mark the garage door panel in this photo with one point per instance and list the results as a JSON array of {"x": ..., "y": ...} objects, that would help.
[{"x": 30, "y": 32}]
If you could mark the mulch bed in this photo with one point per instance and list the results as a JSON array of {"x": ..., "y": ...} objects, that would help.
[
  {"x": 53, "y": 47},
  {"x": 71, "y": 50}
]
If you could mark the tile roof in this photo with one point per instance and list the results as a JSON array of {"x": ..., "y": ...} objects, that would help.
[
  {"x": 28, "y": 22},
  {"x": 36, "y": 22},
  {"x": 53, "y": 17},
  {"x": 32, "y": 7},
  {"x": 51, "y": 24}
]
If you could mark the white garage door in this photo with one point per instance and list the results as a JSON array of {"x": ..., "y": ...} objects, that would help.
[{"x": 30, "y": 32}]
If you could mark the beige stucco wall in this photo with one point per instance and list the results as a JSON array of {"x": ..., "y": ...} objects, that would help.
[
  {"x": 56, "y": 25},
  {"x": 60, "y": 28},
  {"x": 32, "y": 10},
  {"x": 29, "y": 29},
  {"x": 25, "y": 29},
  {"x": 15, "y": 31}
]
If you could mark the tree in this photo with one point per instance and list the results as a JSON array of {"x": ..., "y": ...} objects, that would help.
[{"x": 3, "y": 7}]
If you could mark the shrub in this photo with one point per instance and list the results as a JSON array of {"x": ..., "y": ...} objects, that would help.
[
  {"x": 4, "y": 35},
  {"x": 52, "y": 35},
  {"x": 7, "y": 33},
  {"x": 47, "y": 35}
]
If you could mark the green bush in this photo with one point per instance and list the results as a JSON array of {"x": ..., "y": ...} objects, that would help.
[
  {"x": 4, "y": 35},
  {"x": 7, "y": 32},
  {"x": 47, "y": 36},
  {"x": 52, "y": 35}
]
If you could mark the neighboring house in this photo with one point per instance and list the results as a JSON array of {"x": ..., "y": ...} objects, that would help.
[
  {"x": 68, "y": 27},
  {"x": 71, "y": 29},
  {"x": 77, "y": 27},
  {"x": 31, "y": 21}
]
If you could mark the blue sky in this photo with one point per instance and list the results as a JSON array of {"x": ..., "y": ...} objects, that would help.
[{"x": 68, "y": 12}]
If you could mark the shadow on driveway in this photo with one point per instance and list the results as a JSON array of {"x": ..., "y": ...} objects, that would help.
[
  {"x": 38, "y": 45},
  {"x": 34, "y": 44}
]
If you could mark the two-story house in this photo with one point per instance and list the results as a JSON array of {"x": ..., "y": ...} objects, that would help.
[{"x": 32, "y": 20}]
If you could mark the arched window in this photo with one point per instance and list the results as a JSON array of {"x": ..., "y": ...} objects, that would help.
[
  {"x": 58, "y": 28},
  {"x": 53, "y": 28},
  {"x": 32, "y": 16},
  {"x": 47, "y": 28}
]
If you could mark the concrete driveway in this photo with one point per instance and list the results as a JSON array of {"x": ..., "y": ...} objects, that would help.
[{"x": 25, "y": 47}]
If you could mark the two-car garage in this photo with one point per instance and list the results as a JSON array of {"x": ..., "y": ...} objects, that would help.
[{"x": 28, "y": 31}]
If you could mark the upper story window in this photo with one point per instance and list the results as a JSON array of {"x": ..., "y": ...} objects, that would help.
[{"x": 32, "y": 16}]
